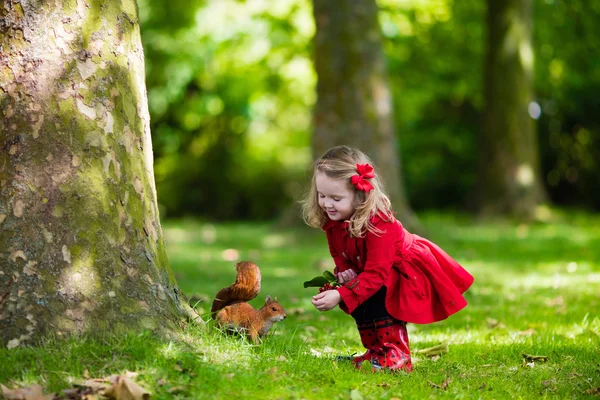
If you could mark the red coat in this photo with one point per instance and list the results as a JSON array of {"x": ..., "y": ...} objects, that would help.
[{"x": 424, "y": 284}]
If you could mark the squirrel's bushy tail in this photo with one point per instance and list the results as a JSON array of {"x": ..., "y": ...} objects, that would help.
[{"x": 245, "y": 288}]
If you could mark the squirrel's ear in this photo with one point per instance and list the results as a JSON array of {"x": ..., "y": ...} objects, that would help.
[
  {"x": 275, "y": 299},
  {"x": 268, "y": 299}
]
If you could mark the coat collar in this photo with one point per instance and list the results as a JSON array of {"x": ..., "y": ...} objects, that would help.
[
  {"x": 345, "y": 224},
  {"x": 330, "y": 224}
]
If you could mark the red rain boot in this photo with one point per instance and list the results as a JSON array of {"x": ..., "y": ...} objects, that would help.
[
  {"x": 393, "y": 339},
  {"x": 368, "y": 337}
]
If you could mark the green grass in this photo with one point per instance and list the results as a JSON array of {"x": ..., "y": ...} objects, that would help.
[{"x": 536, "y": 291}]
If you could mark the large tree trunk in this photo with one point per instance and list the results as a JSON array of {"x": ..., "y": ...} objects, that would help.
[
  {"x": 354, "y": 105},
  {"x": 81, "y": 246},
  {"x": 510, "y": 181}
]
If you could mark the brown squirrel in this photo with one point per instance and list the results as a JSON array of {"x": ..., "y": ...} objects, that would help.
[{"x": 234, "y": 314}]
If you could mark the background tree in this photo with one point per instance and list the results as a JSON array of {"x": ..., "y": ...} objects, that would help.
[
  {"x": 354, "y": 105},
  {"x": 235, "y": 86},
  {"x": 509, "y": 181},
  {"x": 81, "y": 245}
]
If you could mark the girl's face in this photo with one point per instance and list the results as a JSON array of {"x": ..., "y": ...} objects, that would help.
[{"x": 335, "y": 197}]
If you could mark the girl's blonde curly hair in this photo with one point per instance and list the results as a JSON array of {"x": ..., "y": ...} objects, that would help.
[{"x": 340, "y": 163}]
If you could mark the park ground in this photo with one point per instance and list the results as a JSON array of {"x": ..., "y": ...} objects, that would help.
[{"x": 531, "y": 329}]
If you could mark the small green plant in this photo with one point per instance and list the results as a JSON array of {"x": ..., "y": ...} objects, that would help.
[{"x": 326, "y": 280}]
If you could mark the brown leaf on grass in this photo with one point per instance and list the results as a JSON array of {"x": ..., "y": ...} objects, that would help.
[
  {"x": 528, "y": 332},
  {"x": 123, "y": 388},
  {"x": 176, "y": 389},
  {"x": 549, "y": 383},
  {"x": 33, "y": 392},
  {"x": 556, "y": 302},
  {"x": 434, "y": 351},
  {"x": 595, "y": 390},
  {"x": 178, "y": 368},
  {"x": 131, "y": 375},
  {"x": 78, "y": 393},
  {"x": 96, "y": 384},
  {"x": 443, "y": 386},
  {"x": 494, "y": 323},
  {"x": 530, "y": 357},
  {"x": 446, "y": 383}
]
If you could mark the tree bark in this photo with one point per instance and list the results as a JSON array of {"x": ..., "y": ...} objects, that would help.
[
  {"x": 509, "y": 178},
  {"x": 354, "y": 104},
  {"x": 81, "y": 246}
]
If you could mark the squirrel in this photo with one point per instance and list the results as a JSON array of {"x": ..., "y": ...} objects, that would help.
[{"x": 232, "y": 312}]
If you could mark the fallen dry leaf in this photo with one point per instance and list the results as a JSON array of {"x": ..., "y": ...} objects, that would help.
[
  {"x": 434, "y": 351},
  {"x": 176, "y": 389},
  {"x": 161, "y": 382},
  {"x": 33, "y": 392},
  {"x": 494, "y": 323},
  {"x": 443, "y": 386},
  {"x": 131, "y": 375},
  {"x": 593, "y": 391},
  {"x": 556, "y": 302},
  {"x": 531, "y": 357},
  {"x": 177, "y": 367},
  {"x": 528, "y": 332},
  {"x": 549, "y": 385},
  {"x": 96, "y": 384},
  {"x": 78, "y": 393},
  {"x": 446, "y": 383},
  {"x": 123, "y": 388}
]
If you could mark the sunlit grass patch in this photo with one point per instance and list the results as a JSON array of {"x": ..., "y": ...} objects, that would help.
[{"x": 536, "y": 293}]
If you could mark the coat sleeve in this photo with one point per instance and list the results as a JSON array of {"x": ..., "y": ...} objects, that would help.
[
  {"x": 341, "y": 263},
  {"x": 381, "y": 254}
]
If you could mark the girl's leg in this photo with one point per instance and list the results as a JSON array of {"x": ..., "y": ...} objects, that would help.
[
  {"x": 392, "y": 335},
  {"x": 384, "y": 337},
  {"x": 365, "y": 315}
]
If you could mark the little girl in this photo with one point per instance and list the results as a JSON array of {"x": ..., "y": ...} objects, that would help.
[{"x": 388, "y": 276}]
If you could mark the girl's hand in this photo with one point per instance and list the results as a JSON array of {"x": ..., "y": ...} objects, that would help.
[
  {"x": 326, "y": 300},
  {"x": 345, "y": 276}
]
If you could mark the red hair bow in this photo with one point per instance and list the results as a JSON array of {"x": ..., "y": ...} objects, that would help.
[{"x": 360, "y": 182}]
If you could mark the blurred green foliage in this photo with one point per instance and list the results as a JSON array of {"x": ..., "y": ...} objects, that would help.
[{"x": 231, "y": 86}]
